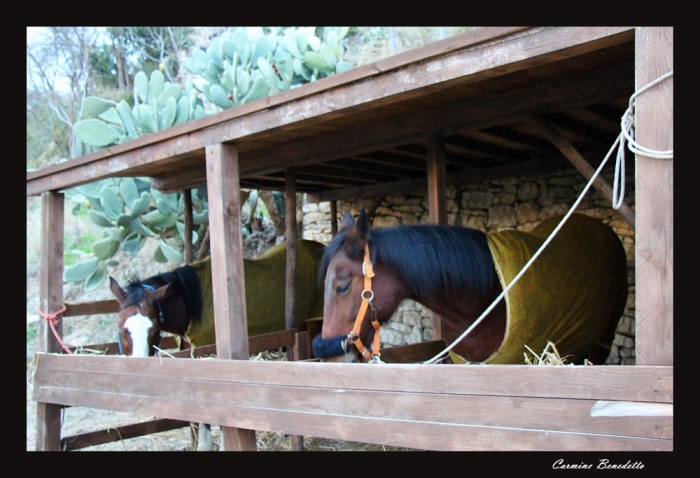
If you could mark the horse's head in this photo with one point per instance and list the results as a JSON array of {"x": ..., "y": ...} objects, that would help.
[
  {"x": 344, "y": 283},
  {"x": 139, "y": 317}
]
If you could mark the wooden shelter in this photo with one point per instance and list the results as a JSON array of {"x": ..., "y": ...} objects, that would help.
[{"x": 485, "y": 104}]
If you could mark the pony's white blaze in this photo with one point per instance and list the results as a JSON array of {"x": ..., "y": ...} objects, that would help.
[{"x": 138, "y": 326}]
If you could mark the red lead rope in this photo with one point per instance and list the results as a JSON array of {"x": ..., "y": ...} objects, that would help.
[
  {"x": 52, "y": 319},
  {"x": 367, "y": 296}
]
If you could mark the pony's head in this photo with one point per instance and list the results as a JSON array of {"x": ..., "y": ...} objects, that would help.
[{"x": 140, "y": 317}]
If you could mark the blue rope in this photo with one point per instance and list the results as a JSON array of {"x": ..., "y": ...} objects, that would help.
[{"x": 160, "y": 310}]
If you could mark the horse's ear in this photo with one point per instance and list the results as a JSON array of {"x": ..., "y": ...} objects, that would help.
[
  {"x": 116, "y": 289},
  {"x": 363, "y": 226},
  {"x": 358, "y": 235},
  {"x": 347, "y": 222}
]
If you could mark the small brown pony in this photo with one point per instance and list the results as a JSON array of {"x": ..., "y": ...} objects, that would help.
[{"x": 457, "y": 273}]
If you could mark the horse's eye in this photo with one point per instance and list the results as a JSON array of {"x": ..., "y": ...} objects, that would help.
[{"x": 342, "y": 289}]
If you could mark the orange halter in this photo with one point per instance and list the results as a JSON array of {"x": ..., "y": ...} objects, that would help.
[{"x": 367, "y": 296}]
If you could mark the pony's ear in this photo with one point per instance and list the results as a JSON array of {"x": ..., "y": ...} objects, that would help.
[
  {"x": 116, "y": 289},
  {"x": 162, "y": 292},
  {"x": 347, "y": 222}
]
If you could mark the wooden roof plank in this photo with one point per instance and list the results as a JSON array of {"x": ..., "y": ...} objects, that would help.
[{"x": 301, "y": 107}]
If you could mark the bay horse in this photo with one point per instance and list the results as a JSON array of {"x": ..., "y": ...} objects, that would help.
[
  {"x": 181, "y": 302},
  {"x": 573, "y": 294}
]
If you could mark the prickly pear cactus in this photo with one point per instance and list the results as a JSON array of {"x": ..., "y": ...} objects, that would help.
[
  {"x": 240, "y": 66},
  {"x": 130, "y": 211},
  {"x": 245, "y": 63},
  {"x": 158, "y": 105}
]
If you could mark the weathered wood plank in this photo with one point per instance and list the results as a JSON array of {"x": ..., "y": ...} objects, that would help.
[
  {"x": 643, "y": 384},
  {"x": 290, "y": 219},
  {"x": 510, "y": 107},
  {"x": 428, "y": 418},
  {"x": 437, "y": 197},
  {"x": 567, "y": 415},
  {"x": 228, "y": 284},
  {"x": 299, "y": 107},
  {"x": 583, "y": 166},
  {"x": 227, "y": 252},
  {"x": 48, "y": 424},
  {"x": 654, "y": 204},
  {"x": 108, "y": 306},
  {"x": 77, "y": 442},
  {"x": 404, "y": 433}
]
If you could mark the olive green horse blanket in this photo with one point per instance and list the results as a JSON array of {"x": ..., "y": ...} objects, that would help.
[
  {"x": 265, "y": 291},
  {"x": 573, "y": 294}
]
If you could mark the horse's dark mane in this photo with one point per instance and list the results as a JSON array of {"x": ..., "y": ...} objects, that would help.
[
  {"x": 427, "y": 258},
  {"x": 184, "y": 281}
]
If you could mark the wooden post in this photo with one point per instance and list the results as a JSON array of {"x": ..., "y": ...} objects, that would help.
[
  {"x": 228, "y": 284},
  {"x": 334, "y": 217},
  {"x": 437, "y": 198},
  {"x": 290, "y": 218},
  {"x": 437, "y": 180},
  {"x": 187, "y": 200},
  {"x": 654, "y": 198},
  {"x": 48, "y": 416}
]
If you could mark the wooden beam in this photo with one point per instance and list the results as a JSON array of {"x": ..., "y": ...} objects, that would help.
[
  {"x": 296, "y": 108},
  {"x": 227, "y": 252},
  {"x": 437, "y": 198},
  {"x": 468, "y": 176},
  {"x": 580, "y": 163},
  {"x": 48, "y": 423},
  {"x": 511, "y": 107},
  {"x": 107, "y": 306},
  {"x": 334, "y": 217},
  {"x": 437, "y": 180},
  {"x": 498, "y": 407},
  {"x": 290, "y": 218},
  {"x": 654, "y": 199},
  {"x": 296, "y": 442},
  {"x": 112, "y": 434},
  {"x": 187, "y": 200},
  {"x": 231, "y": 324}
]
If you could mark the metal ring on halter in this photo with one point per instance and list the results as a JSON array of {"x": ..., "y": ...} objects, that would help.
[
  {"x": 371, "y": 295},
  {"x": 376, "y": 359}
]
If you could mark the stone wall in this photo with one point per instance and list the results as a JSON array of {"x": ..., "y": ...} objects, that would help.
[{"x": 512, "y": 203}]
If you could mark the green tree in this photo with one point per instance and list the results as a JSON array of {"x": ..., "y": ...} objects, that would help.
[{"x": 58, "y": 79}]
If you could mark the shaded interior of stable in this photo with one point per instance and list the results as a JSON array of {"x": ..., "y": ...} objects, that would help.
[{"x": 486, "y": 126}]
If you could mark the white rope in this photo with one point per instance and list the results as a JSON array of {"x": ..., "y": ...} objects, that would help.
[
  {"x": 627, "y": 136},
  {"x": 627, "y": 133}
]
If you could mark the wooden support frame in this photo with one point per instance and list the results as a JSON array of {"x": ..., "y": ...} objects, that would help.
[
  {"x": 48, "y": 419},
  {"x": 290, "y": 218},
  {"x": 187, "y": 200},
  {"x": 580, "y": 163},
  {"x": 654, "y": 192},
  {"x": 474, "y": 408},
  {"x": 228, "y": 284},
  {"x": 499, "y": 407},
  {"x": 437, "y": 198}
]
